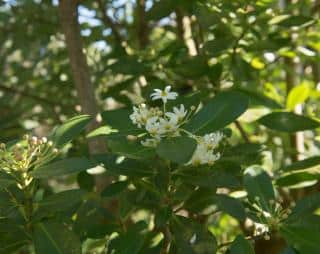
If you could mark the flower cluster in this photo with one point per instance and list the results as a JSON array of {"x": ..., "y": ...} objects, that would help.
[
  {"x": 205, "y": 151},
  {"x": 30, "y": 152},
  {"x": 161, "y": 123}
]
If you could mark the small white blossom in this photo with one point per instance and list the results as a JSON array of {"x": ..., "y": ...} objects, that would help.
[
  {"x": 179, "y": 113},
  {"x": 153, "y": 126},
  {"x": 212, "y": 140},
  {"x": 164, "y": 95},
  {"x": 260, "y": 229},
  {"x": 169, "y": 126},
  {"x": 141, "y": 114},
  {"x": 205, "y": 150}
]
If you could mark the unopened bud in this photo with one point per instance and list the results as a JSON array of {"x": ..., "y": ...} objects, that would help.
[
  {"x": 193, "y": 108},
  {"x": 266, "y": 237},
  {"x": 55, "y": 150},
  {"x": 2, "y": 146},
  {"x": 44, "y": 140},
  {"x": 34, "y": 140},
  {"x": 50, "y": 143},
  {"x": 26, "y": 136}
]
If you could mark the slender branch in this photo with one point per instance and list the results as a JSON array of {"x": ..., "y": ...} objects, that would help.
[
  {"x": 143, "y": 28},
  {"x": 28, "y": 95},
  {"x": 109, "y": 22},
  {"x": 242, "y": 131}
]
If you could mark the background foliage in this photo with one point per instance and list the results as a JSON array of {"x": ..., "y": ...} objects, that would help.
[{"x": 266, "y": 52}]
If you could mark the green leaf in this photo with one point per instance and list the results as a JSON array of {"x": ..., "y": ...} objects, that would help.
[
  {"x": 5, "y": 180},
  {"x": 288, "y": 122},
  {"x": 258, "y": 184},
  {"x": 303, "y": 235},
  {"x": 161, "y": 9},
  {"x": 303, "y": 164},
  {"x": 130, "y": 149},
  {"x": 119, "y": 120},
  {"x": 191, "y": 237},
  {"x": 222, "y": 110},
  {"x": 291, "y": 20},
  {"x": 93, "y": 220},
  {"x": 70, "y": 129},
  {"x": 241, "y": 246},
  {"x": 114, "y": 189},
  {"x": 54, "y": 238},
  {"x": 130, "y": 242},
  {"x": 127, "y": 167},
  {"x": 217, "y": 46},
  {"x": 63, "y": 167},
  {"x": 202, "y": 199},
  {"x": 297, "y": 95},
  {"x": 61, "y": 201},
  {"x": 305, "y": 206},
  {"x": 177, "y": 149},
  {"x": 300, "y": 178},
  {"x": 101, "y": 131}
]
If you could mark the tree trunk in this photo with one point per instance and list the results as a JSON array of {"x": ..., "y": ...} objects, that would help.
[{"x": 68, "y": 12}]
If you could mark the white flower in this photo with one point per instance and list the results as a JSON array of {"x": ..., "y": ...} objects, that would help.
[
  {"x": 205, "y": 153},
  {"x": 151, "y": 142},
  {"x": 179, "y": 113},
  {"x": 260, "y": 229},
  {"x": 141, "y": 114},
  {"x": 169, "y": 126},
  {"x": 153, "y": 126},
  {"x": 212, "y": 140},
  {"x": 164, "y": 95}
]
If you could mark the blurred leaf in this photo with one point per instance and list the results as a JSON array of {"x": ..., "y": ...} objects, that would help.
[
  {"x": 297, "y": 95},
  {"x": 305, "y": 206},
  {"x": 291, "y": 20},
  {"x": 130, "y": 242},
  {"x": 177, "y": 149},
  {"x": 61, "y": 201},
  {"x": 54, "y": 238},
  {"x": 303, "y": 235},
  {"x": 288, "y": 122},
  {"x": 63, "y": 167},
  {"x": 70, "y": 129},
  {"x": 298, "y": 177},
  {"x": 221, "y": 110},
  {"x": 241, "y": 246},
  {"x": 5, "y": 179},
  {"x": 303, "y": 164},
  {"x": 101, "y": 131},
  {"x": 114, "y": 189},
  {"x": 191, "y": 237},
  {"x": 217, "y": 46}
]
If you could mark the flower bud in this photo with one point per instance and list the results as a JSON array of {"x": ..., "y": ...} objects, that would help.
[
  {"x": 266, "y": 237},
  {"x": 26, "y": 137},
  {"x": 2, "y": 146},
  {"x": 50, "y": 143},
  {"x": 44, "y": 140},
  {"x": 55, "y": 150}
]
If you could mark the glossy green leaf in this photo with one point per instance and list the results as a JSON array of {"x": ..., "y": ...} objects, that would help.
[
  {"x": 63, "y": 167},
  {"x": 305, "y": 206},
  {"x": 303, "y": 164},
  {"x": 127, "y": 167},
  {"x": 55, "y": 238},
  {"x": 62, "y": 200},
  {"x": 101, "y": 131},
  {"x": 291, "y": 20},
  {"x": 241, "y": 246},
  {"x": 300, "y": 178},
  {"x": 70, "y": 129},
  {"x": 177, "y": 149},
  {"x": 288, "y": 122},
  {"x": 221, "y": 110},
  {"x": 303, "y": 234},
  {"x": 258, "y": 184}
]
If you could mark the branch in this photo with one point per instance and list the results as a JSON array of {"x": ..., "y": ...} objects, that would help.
[
  {"x": 109, "y": 22},
  {"x": 68, "y": 12},
  {"x": 143, "y": 28},
  {"x": 28, "y": 95},
  {"x": 242, "y": 131}
]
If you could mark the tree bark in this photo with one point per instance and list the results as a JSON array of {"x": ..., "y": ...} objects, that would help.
[{"x": 68, "y": 12}]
